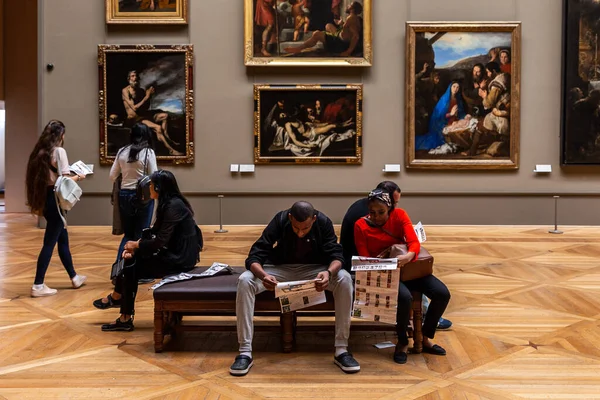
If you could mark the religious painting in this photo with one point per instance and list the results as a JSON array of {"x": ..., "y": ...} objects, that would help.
[
  {"x": 580, "y": 133},
  {"x": 150, "y": 85},
  {"x": 462, "y": 95},
  {"x": 308, "y": 124},
  {"x": 307, "y": 32},
  {"x": 146, "y": 11}
]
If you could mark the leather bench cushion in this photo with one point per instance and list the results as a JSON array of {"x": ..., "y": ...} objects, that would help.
[{"x": 214, "y": 288}]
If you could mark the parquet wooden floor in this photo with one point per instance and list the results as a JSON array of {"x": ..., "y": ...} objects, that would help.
[{"x": 525, "y": 306}]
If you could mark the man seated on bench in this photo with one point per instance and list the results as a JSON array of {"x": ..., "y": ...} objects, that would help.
[
  {"x": 298, "y": 244},
  {"x": 359, "y": 209}
]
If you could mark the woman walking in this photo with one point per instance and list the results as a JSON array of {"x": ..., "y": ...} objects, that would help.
[{"x": 47, "y": 161}]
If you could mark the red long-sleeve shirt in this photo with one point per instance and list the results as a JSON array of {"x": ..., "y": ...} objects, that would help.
[{"x": 371, "y": 240}]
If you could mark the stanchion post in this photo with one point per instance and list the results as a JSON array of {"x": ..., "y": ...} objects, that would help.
[
  {"x": 555, "y": 230},
  {"x": 221, "y": 230}
]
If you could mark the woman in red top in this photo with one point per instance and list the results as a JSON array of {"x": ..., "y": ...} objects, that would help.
[{"x": 383, "y": 227}]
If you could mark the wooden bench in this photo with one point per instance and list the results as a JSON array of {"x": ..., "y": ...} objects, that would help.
[{"x": 215, "y": 296}]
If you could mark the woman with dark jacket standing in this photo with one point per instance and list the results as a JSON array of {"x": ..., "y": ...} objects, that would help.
[
  {"x": 172, "y": 247},
  {"x": 47, "y": 162}
]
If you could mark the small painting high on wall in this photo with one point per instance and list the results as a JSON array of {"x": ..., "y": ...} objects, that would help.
[
  {"x": 462, "y": 95},
  {"x": 151, "y": 85},
  {"x": 308, "y": 124},
  {"x": 146, "y": 11},
  {"x": 304, "y": 32},
  {"x": 581, "y": 83}
]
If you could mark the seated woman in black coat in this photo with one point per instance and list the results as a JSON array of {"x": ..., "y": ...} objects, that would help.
[{"x": 172, "y": 247}]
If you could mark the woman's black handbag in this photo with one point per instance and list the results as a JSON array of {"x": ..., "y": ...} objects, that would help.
[{"x": 117, "y": 269}]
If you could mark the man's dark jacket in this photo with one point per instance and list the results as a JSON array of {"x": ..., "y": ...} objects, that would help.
[{"x": 277, "y": 244}]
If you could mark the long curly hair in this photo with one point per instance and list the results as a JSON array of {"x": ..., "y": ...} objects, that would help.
[{"x": 38, "y": 166}]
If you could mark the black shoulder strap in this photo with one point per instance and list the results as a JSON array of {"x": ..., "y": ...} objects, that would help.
[
  {"x": 146, "y": 162},
  {"x": 371, "y": 224}
]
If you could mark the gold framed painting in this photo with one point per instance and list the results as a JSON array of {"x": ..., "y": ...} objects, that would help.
[
  {"x": 462, "y": 95},
  {"x": 308, "y": 33},
  {"x": 308, "y": 124},
  {"x": 146, "y": 11},
  {"x": 151, "y": 85}
]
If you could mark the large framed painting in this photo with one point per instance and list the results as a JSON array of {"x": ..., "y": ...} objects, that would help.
[
  {"x": 307, "y": 32},
  {"x": 580, "y": 133},
  {"x": 146, "y": 11},
  {"x": 308, "y": 124},
  {"x": 151, "y": 85},
  {"x": 462, "y": 95}
]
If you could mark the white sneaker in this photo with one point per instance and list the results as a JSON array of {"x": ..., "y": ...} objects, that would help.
[
  {"x": 78, "y": 281},
  {"x": 44, "y": 291}
]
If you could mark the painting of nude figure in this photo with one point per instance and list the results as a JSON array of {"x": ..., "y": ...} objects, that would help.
[
  {"x": 152, "y": 85},
  {"x": 462, "y": 95},
  {"x": 146, "y": 11},
  {"x": 307, "y": 32},
  {"x": 308, "y": 124}
]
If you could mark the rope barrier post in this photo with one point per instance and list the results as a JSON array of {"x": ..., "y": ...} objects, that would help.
[
  {"x": 221, "y": 230},
  {"x": 555, "y": 230}
]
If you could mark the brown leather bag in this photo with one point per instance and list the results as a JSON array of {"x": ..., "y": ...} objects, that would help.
[{"x": 420, "y": 268}]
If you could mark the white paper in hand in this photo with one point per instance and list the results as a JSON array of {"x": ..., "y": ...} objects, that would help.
[
  {"x": 420, "y": 231},
  {"x": 81, "y": 168}
]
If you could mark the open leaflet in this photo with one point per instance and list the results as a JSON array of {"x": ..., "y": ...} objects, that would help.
[
  {"x": 82, "y": 168},
  {"x": 296, "y": 295}
]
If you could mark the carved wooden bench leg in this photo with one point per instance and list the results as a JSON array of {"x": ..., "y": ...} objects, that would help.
[
  {"x": 417, "y": 307},
  {"x": 159, "y": 333},
  {"x": 287, "y": 330}
]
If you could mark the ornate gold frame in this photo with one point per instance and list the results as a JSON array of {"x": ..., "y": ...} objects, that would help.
[
  {"x": 188, "y": 50},
  {"x": 251, "y": 60},
  {"x": 513, "y": 161},
  {"x": 260, "y": 159},
  {"x": 113, "y": 16}
]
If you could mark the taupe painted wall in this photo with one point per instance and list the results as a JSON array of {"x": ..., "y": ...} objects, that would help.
[{"x": 223, "y": 127}]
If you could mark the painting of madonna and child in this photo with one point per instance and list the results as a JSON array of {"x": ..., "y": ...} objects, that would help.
[
  {"x": 463, "y": 102},
  {"x": 301, "y": 32},
  {"x": 308, "y": 124}
]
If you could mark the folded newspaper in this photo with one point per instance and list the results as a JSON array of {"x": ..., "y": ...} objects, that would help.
[
  {"x": 376, "y": 289},
  {"x": 215, "y": 269},
  {"x": 420, "y": 231},
  {"x": 296, "y": 295}
]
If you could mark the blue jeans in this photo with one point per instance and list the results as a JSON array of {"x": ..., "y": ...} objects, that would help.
[
  {"x": 55, "y": 233},
  {"x": 134, "y": 217}
]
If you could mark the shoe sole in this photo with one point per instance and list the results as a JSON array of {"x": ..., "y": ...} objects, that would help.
[
  {"x": 106, "y": 308},
  {"x": 117, "y": 330},
  {"x": 241, "y": 372},
  {"x": 348, "y": 370},
  {"x": 80, "y": 285},
  {"x": 43, "y": 295}
]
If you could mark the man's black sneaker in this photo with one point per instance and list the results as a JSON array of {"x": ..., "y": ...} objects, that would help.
[
  {"x": 347, "y": 363},
  {"x": 241, "y": 365}
]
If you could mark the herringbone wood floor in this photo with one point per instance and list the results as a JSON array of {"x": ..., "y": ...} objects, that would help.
[{"x": 525, "y": 307}]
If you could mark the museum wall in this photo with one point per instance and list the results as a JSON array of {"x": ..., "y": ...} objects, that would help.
[{"x": 72, "y": 29}]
